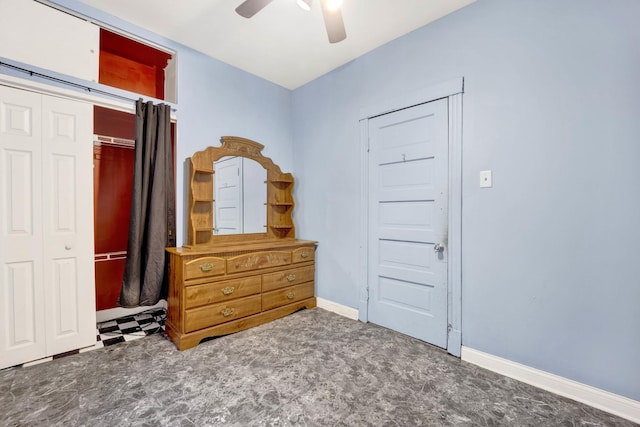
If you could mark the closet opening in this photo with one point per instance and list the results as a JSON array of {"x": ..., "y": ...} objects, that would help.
[
  {"x": 137, "y": 67},
  {"x": 113, "y": 160}
]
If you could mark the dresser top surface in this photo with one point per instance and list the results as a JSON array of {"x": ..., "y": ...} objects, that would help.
[{"x": 259, "y": 245}]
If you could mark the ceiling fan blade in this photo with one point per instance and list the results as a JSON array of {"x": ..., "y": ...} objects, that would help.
[
  {"x": 248, "y": 8},
  {"x": 333, "y": 22}
]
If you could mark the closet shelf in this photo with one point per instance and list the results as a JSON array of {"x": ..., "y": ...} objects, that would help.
[
  {"x": 281, "y": 204},
  {"x": 281, "y": 227},
  {"x": 203, "y": 200}
]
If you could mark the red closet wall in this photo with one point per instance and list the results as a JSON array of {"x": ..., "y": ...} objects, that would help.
[{"x": 112, "y": 182}]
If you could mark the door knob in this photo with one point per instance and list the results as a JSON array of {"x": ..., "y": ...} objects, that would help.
[
  {"x": 68, "y": 246},
  {"x": 438, "y": 247}
]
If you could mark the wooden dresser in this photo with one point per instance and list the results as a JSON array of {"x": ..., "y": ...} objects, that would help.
[
  {"x": 222, "y": 283},
  {"x": 224, "y": 288}
]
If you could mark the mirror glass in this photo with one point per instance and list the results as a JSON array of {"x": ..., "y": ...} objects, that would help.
[{"x": 240, "y": 196}]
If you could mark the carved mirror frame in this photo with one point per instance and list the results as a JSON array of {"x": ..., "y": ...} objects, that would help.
[{"x": 279, "y": 201}]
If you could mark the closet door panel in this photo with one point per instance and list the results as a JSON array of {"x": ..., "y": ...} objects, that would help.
[
  {"x": 37, "y": 34},
  {"x": 22, "y": 321},
  {"x": 68, "y": 231},
  {"x": 65, "y": 303},
  {"x": 17, "y": 168},
  {"x": 22, "y": 329}
]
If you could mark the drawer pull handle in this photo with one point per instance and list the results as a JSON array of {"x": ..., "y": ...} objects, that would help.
[
  {"x": 227, "y": 312},
  {"x": 291, "y": 277},
  {"x": 304, "y": 255},
  {"x": 206, "y": 267},
  {"x": 291, "y": 295},
  {"x": 228, "y": 290}
]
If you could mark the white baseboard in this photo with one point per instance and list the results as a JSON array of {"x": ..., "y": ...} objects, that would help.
[
  {"x": 342, "y": 310},
  {"x": 114, "y": 313},
  {"x": 604, "y": 400}
]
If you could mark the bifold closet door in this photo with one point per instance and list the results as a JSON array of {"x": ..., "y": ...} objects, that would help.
[
  {"x": 67, "y": 168},
  {"x": 46, "y": 247},
  {"x": 22, "y": 325}
]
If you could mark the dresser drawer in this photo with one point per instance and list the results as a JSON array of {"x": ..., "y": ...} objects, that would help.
[
  {"x": 258, "y": 260},
  {"x": 286, "y": 296},
  {"x": 302, "y": 254},
  {"x": 204, "y": 267},
  {"x": 202, "y": 317},
  {"x": 210, "y": 293},
  {"x": 292, "y": 276}
]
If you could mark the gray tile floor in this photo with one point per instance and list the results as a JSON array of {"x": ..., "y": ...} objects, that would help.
[{"x": 313, "y": 368}]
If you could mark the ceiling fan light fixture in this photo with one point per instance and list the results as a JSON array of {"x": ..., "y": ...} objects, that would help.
[
  {"x": 333, "y": 5},
  {"x": 304, "y": 4},
  {"x": 331, "y": 14}
]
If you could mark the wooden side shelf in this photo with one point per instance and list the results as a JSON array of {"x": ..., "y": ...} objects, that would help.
[
  {"x": 282, "y": 180},
  {"x": 205, "y": 171},
  {"x": 280, "y": 219}
]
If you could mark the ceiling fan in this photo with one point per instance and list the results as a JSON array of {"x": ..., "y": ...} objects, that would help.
[{"x": 331, "y": 11}]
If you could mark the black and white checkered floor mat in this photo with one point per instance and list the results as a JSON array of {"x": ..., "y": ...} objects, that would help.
[{"x": 131, "y": 328}]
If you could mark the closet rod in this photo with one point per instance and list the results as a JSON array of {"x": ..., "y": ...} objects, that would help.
[
  {"x": 113, "y": 141},
  {"x": 68, "y": 83}
]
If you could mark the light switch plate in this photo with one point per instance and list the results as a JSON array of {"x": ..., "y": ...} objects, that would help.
[{"x": 485, "y": 179}]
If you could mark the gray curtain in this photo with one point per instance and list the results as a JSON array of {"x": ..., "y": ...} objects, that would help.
[{"x": 152, "y": 224}]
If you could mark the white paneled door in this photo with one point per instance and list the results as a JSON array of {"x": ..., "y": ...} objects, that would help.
[
  {"x": 47, "y": 303},
  {"x": 408, "y": 192},
  {"x": 228, "y": 196},
  {"x": 67, "y": 168},
  {"x": 22, "y": 334}
]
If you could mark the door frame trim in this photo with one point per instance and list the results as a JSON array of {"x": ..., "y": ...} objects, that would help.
[{"x": 452, "y": 90}]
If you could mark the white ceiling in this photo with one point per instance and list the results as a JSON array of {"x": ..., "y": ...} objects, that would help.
[{"x": 281, "y": 43}]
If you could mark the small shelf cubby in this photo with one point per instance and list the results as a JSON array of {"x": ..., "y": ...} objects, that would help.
[
  {"x": 280, "y": 193},
  {"x": 201, "y": 202}
]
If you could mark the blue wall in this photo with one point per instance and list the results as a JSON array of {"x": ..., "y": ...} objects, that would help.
[{"x": 551, "y": 271}]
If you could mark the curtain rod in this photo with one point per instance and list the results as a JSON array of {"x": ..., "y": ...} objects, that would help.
[{"x": 69, "y": 83}]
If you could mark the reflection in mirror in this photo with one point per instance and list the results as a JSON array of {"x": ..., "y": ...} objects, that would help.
[{"x": 240, "y": 195}]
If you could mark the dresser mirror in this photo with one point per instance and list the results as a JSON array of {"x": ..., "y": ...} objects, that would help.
[
  {"x": 236, "y": 194},
  {"x": 240, "y": 196}
]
